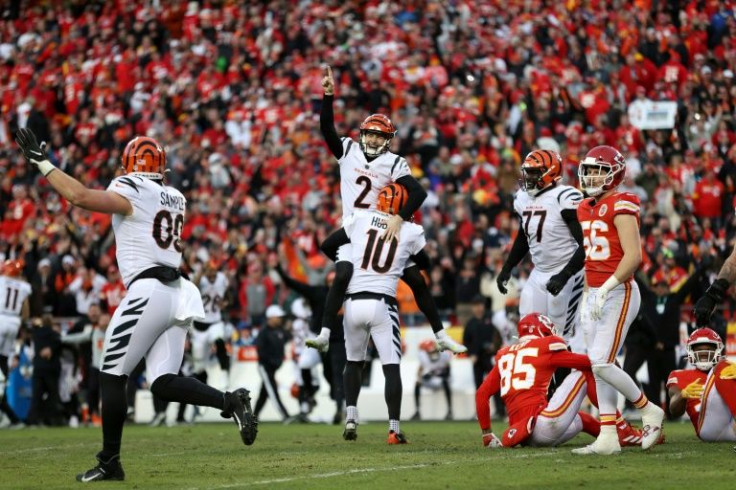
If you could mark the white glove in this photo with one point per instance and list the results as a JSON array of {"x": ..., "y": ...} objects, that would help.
[
  {"x": 491, "y": 441},
  {"x": 599, "y": 299}
]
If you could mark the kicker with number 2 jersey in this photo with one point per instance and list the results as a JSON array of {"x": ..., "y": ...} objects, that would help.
[
  {"x": 150, "y": 236},
  {"x": 603, "y": 250},
  {"x": 681, "y": 379},
  {"x": 361, "y": 180}
]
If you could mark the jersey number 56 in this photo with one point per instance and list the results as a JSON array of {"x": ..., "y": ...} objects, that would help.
[{"x": 596, "y": 246}]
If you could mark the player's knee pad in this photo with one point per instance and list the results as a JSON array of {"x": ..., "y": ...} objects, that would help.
[
  {"x": 601, "y": 370},
  {"x": 160, "y": 387}
]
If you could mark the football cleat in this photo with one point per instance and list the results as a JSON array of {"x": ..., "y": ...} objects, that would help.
[
  {"x": 449, "y": 344},
  {"x": 651, "y": 420},
  {"x": 320, "y": 343},
  {"x": 397, "y": 438},
  {"x": 237, "y": 406},
  {"x": 351, "y": 430},
  {"x": 628, "y": 435},
  {"x": 110, "y": 470},
  {"x": 604, "y": 445}
]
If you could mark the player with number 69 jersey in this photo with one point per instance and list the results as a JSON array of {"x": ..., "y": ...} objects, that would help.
[{"x": 550, "y": 232}]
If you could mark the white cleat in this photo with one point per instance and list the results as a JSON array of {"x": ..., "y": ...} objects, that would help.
[
  {"x": 604, "y": 445},
  {"x": 319, "y": 342},
  {"x": 449, "y": 344},
  {"x": 651, "y": 418}
]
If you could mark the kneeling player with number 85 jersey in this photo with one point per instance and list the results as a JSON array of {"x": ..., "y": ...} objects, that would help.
[
  {"x": 522, "y": 373},
  {"x": 371, "y": 309},
  {"x": 152, "y": 321}
]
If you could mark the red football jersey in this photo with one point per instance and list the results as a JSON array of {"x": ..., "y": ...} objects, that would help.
[
  {"x": 683, "y": 377},
  {"x": 603, "y": 250},
  {"x": 522, "y": 374}
]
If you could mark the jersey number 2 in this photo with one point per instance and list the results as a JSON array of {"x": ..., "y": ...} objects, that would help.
[
  {"x": 366, "y": 183},
  {"x": 167, "y": 230},
  {"x": 515, "y": 372},
  {"x": 372, "y": 254}
]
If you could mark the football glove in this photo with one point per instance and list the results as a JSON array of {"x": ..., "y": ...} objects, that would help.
[
  {"x": 34, "y": 152},
  {"x": 596, "y": 307},
  {"x": 491, "y": 441},
  {"x": 502, "y": 279},
  {"x": 557, "y": 282},
  {"x": 729, "y": 372},
  {"x": 693, "y": 390},
  {"x": 707, "y": 303}
]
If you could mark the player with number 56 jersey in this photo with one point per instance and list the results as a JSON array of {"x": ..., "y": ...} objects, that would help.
[{"x": 610, "y": 222}]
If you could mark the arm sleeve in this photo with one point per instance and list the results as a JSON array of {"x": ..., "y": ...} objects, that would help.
[
  {"x": 422, "y": 260},
  {"x": 518, "y": 250},
  {"x": 417, "y": 195},
  {"x": 487, "y": 389},
  {"x": 327, "y": 126},
  {"x": 567, "y": 359},
  {"x": 576, "y": 262}
]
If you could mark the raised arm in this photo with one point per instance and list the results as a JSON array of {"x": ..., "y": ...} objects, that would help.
[
  {"x": 70, "y": 188},
  {"x": 326, "y": 116}
]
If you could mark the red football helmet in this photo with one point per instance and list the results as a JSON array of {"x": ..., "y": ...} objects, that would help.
[
  {"x": 380, "y": 125},
  {"x": 428, "y": 345},
  {"x": 541, "y": 169},
  {"x": 704, "y": 360},
  {"x": 536, "y": 325},
  {"x": 602, "y": 170}
]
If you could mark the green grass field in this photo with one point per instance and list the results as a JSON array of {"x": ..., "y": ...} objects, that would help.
[{"x": 440, "y": 455}]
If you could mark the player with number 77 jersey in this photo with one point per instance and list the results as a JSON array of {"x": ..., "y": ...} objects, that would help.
[{"x": 522, "y": 374}]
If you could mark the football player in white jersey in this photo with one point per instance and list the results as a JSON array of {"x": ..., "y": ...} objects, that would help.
[
  {"x": 433, "y": 373},
  {"x": 213, "y": 286},
  {"x": 366, "y": 167},
  {"x": 152, "y": 319},
  {"x": 550, "y": 230},
  {"x": 14, "y": 309},
  {"x": 371, "y": 309}
]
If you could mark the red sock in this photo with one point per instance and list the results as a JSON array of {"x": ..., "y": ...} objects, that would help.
[
  {"x": 726, "y": 388},
  {"x": 590, "y": 424},
  {"x": 590, "y": 388}
]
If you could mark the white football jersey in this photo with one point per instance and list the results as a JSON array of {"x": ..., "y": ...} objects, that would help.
[
  {"x": 361, "y": 180},
  {"x": 13, "y": 292},
  {"x": 550, "y": 241},
  {"x": 377, "y": 267},
  {"x": 151, "y": 235},
  {"x": 212, "y": 294}
]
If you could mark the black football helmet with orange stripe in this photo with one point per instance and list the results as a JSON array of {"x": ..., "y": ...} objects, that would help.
[
  {"x": 144, "y": 156},
  {"x": 541, "y": 169},
  {"x": 392, "y": 198},
  {"x": 379, "y": 125}
]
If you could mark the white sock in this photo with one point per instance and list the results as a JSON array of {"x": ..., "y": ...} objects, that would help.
[
  {"x": 325, "y": 333},
  {"x": 608, "y": 431},
  {"x": 393, "y": 425},
  {"x": 352, "y": 413}
]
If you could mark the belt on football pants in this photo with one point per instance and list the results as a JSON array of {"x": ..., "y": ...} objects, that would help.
[
  {"x": 378, "y": 296},
  {"x": 161, "y": 273}
]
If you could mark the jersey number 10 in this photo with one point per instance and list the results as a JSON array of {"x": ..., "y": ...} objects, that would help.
[{"x": 373, "y": 250}]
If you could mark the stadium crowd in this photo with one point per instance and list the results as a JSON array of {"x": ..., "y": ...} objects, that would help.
[{"x": 234, "y": 93}]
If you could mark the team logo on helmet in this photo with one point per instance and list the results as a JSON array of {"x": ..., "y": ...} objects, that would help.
[
  {"x": 541, "y": 169},
  {"x": 536, "y": 325},
  {"x": 602, "y": 170},
  {"x": 392, "y": 198},
  {"x": 380, "y": 125}
]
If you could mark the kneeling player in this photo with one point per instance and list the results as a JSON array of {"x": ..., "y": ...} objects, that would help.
[
  {"x": 522, "y": 374},
  {"x": 708, "y": 392}
]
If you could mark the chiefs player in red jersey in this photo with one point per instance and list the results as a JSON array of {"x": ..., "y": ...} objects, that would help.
[
  {"x": 707, "y": 392},
  {"x": 610, "y": 222},
  {"x": 522, "y": 374}
]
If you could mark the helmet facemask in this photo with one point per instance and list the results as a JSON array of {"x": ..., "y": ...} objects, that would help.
[
  {"x": 532, "y": 180},
  {"x": 602, "y": 178},
  {"x": 704, "y": 359},
  {"x": 371, "y": 149}
]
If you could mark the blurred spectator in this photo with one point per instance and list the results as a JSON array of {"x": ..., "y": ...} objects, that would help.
[
  {"x": 271, "y": 342},
  {"x": 45, "y": 403}
]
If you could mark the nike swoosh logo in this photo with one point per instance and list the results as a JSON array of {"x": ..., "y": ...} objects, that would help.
[
  {"x": 88, "y": 479},
  {"x": 36, "y": 153}
]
